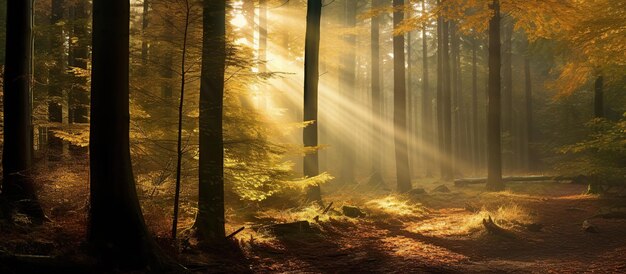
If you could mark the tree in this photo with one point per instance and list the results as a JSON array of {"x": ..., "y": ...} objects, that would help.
[
  {"x": 116, "y": 228},
  {"x": 403, "y": 175},
  {"x": 427, "y": 126},
  {"x": 311, "y": 81},
  {"x": 210, "y": 218},
  {"x": 475, "y": 134},
  {"x": 494, "y": 168},
  {"x": 179, "y": 136},
  {"x": 17, "y": 186},
  {"x": 376, "y": 177},
  {"x": 446, "y": 104}
]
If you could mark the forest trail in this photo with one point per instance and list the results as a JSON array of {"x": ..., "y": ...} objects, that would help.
[{"x": 438, "y": 241}]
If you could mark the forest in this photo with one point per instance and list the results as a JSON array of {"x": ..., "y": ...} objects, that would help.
[{"x": 313, "y": 136}]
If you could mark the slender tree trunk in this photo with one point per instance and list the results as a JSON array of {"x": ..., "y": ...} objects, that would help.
[
  {"x": 17, "y": 185},
  {"x": 210, "y": 217},
  {"x": 427, "y": 125},
  {"x": 475, "y": 132},
  {"x": 446, "y": 172},
  {"x": 494, "y": 162},
  {"x": 455, "y": 151},
  {"x": 376, "y": 177},
  {"x": 399, "y": 105},
  {"x": 263, "y": 36},
  {"x": 529, "y": 115},
  {"x": 507, "y": 95},
  {"x": 116, "y": 226},
  {"x": 311, "y": 81},
  {"x": 179, "y": 139},
  {"x": 440, "y": 84}
]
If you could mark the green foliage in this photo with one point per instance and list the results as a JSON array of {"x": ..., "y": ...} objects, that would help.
[{"x": 602, "y": 156}]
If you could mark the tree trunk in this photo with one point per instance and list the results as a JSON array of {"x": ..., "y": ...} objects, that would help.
[
  {"x": 507, "y": 95},
  {"x": 116, "y": 226},
  {"x": 475, "y": 131},
  {"x": 446, "y": 172},
  {"x": 376, "y": 177},
  {"x": 440, "y": 83},
  {"x": 179, "y": 137},
  {"x": 17, "y": 185},
  {"x": 210, "y": 218},
  {"x": 399, "y": 105},
  {"x": 427, "y": 125},
  {"x": 494, "y": 162},
  {"x": 311, "y": 81},
  {"x": 529, "y": 115},
  {"x": 455, "y": 152}
]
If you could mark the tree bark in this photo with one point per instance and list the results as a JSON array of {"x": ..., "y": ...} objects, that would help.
[
  {"x": 529, "y": 115},
  {"x": 116, "y": 228},
  {"x": 440, "y": 84},
  {"x": 446, "y": 165},
  {"x": 494, "y": 162},
  {"x": 475, "y": 131},
  {"x": 17, "y": 185},
  {"x": 507, "y": 95},
  {"x": 403, "y": 175},
  {"x": 376, "y": 95},
  {"x": 311, "y": 81},
  {"x": 210, "y": 219},
  {"x": 427, "y": 119}
]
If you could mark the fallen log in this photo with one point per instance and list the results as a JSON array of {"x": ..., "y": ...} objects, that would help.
[{"x": 530, "y": 178}]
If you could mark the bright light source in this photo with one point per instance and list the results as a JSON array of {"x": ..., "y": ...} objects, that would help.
[{"x": 239, "y": 21}]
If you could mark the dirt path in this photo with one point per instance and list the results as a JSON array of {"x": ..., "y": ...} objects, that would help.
[{"x": 436, "y": 243}]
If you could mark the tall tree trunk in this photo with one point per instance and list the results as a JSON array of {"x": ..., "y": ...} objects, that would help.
[
  {"x": 475, "y": 132},
  {"x": 446, "y": 172},
  {"x": 116, "y": 226},
  {"x": 17, "y": 185},
  {"x": 494, "y": 162},
  {"x": 376, "y": 177},
  {"x": 455, "y": 153},
  {"x": 210, "y": 218},
  {"x": 311, "y": 81},
  {"x": 507, "y": 94},
  {"x": 529, "y": 115},
  {"x": 263, "y": 36},
  {"x": 427, "y": 119},
  {"x": 403, "y": 175},
  {"x": 179, "y": 137},
  {"x": 440, "y": 84}
]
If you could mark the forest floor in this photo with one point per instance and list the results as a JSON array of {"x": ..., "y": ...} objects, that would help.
[
  {"x": 447, "y": 235},
  {"x": 418, "y": 232}
]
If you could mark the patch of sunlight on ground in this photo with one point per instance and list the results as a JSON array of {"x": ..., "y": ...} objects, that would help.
[
  {"x": 460, "y": 222},
  {"x": 394, "y": 206}
]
